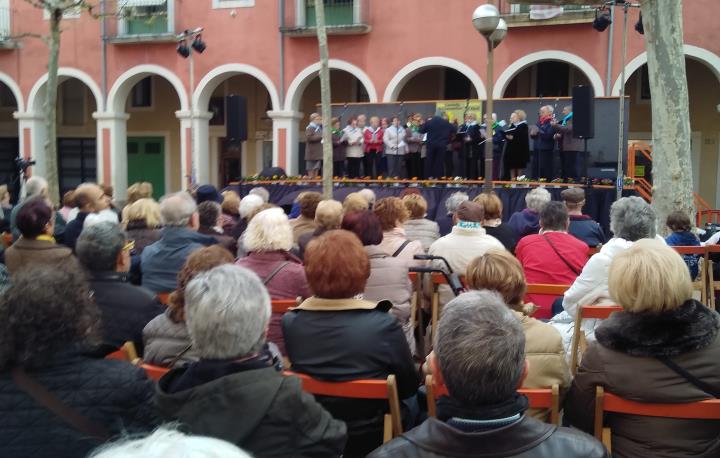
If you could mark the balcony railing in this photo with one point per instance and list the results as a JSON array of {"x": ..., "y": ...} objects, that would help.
[
  {"x": 341, "y": 17},
  {"x": 519, "y": 14},
  {"x": 145, "y": 20}
]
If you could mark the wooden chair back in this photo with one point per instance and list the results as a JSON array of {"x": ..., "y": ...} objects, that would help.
[
  {"x": 713, "y": 283},
  {"x": 164, "y": 298},
  {"x": 544, "y": 288},
  {"x": 539, "y": 398},
  {"x": 598, "y": 312},
  {"x": 154, "y": 372},
  {"x": 608, "y": 402},
  {"x": 437, "y": 280},
  {"x": 361, "y": 389},
  {"x": 283, "y": 305},
  {"x": 127, "y": 352},
  {"x": 702, "y": 283}
]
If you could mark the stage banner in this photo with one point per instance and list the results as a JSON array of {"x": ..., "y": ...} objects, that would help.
[{"x": 457, "y": 109}]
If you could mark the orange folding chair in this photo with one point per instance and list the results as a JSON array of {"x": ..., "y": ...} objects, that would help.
[
  {"x": 702, "y": 282},
  {"x": 164, "y": 298},
  {"x": 154, "y": 372},
  {"x": 437, "y": 279},
  {"x": 361, "y": 389},
  {"x": 539, "y": 398},
  {"x": 126, "y": 352},
  {"x": 283, "y": 305},
  {"x": 608, "y": 402},
  {"x": 599, "y": 312}
]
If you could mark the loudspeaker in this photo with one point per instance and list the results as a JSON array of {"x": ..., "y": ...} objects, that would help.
[
  {"x": 583, "y": 103},
  {"x": 237, "y": 126}
]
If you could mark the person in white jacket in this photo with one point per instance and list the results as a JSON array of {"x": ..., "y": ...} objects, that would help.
[
  {"x": 631, "y": 219},
  {"x": 467, "y": 241},
  {"x": 395, "y": 149},
  {"x": 354, "y": 151}
]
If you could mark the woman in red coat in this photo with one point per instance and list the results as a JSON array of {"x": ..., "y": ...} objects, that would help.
[
  {"x": 373, "y": 141},
  {"x": 552, "y": 257}
]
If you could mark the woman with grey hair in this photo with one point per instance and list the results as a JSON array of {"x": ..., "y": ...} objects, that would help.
[
  {"x": 631, "y": 219},
  {"x": 527, "y": 221},
  {"x": 48, "y": 327},
  {"x": 445, "y": 222},
  {"x": 236, "y": 391}
]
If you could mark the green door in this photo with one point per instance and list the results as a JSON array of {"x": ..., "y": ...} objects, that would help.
[{"x": 146, "y": 162}]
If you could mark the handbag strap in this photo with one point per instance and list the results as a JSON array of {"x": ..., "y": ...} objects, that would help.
[
  {"x": 56, "y": 406},
  {"x": 402, "y": 247},
  {"x": 277, "y": 270},
  {"x": 689, "y": 377},
  {"x": 562, "y": 258}
]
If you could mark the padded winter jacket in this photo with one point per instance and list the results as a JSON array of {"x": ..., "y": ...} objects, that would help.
[
  {"x": 113, "y": 394},
  {"x": 167, "y": 342},
  {"x": 423, "y": 229},
  {"x": 260, "y": 410}
]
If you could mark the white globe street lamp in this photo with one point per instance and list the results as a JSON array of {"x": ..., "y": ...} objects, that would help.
[{"x": 486, "y": 20}]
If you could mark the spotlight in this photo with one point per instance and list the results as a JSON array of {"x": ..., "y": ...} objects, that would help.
[
  {"x": 198, "y": 45},
  {"x": 639, "y": 26},
  {"x": 602, "y": 21},
  {"x": 183, "y": 50}
]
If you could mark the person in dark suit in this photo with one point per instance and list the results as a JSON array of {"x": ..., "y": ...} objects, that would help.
[
  {"x": 517, "y": 149},
  {"x": 469, "y": 134},
  {"x": 438, "y": 131},
  {"x": 543, "y": 135}
]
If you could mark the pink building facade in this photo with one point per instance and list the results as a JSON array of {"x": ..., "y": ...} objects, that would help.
[{"x": 126, "y": 106}]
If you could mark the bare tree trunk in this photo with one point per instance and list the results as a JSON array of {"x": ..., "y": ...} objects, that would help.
[
  {"x": 672, "y": 168},
  {"x": 51, "y": 90},
  {"x": 327, "y": 170}
]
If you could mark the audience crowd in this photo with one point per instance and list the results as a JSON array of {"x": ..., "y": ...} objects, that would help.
[{"x": 192, "y": 286}]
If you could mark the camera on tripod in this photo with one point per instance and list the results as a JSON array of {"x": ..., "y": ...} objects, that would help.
[{"x": 22, "y": 164}]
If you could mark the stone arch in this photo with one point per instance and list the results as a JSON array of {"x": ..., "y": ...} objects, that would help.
[
  {"x": 15, "y": 89},
  {"x": 709, "y": 58},
  {"x": 396, "y": 84},
  {"x": 516, "y": 67},
  {"x": 216, "y": 76},
  {"x": 298, "y": 85},
  {"x": 36, "y": 97},
  {"x": 124, "y": 83}
]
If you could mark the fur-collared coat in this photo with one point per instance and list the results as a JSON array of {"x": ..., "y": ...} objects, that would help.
[{"x": 625, "y": 361}]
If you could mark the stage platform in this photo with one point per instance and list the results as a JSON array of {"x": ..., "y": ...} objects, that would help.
[{"x": 512, "y": 194}]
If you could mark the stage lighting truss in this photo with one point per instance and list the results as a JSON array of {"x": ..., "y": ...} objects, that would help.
[{"x": 194, "y": 37}]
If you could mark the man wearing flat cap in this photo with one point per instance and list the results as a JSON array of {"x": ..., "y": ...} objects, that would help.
[
  {"x": 467, "y": 241},
  {"x": 581, "y": 226}
]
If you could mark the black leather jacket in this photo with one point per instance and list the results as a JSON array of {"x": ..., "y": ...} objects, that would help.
[{"x": 526, "y": 438}]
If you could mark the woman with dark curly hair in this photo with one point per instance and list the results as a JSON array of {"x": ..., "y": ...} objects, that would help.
[
  {"x": 166, "y": 338},
  {"x": 46, "y": 334}
]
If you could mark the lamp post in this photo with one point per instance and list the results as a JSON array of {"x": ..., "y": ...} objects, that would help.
[
  {"x": 486, "y": 20},
  {"x": 193, "y": 36}
]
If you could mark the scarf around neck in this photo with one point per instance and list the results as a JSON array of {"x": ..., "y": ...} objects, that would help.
[
  {"x": 567, "y": 118},
  {"x": 450, "y": 408}
]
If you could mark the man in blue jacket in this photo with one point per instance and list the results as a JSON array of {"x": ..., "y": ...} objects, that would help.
[
  {"x": 544, "y": 144},
  {"x": 439, "y": 131},
  {"x": 161, "y": 261}
]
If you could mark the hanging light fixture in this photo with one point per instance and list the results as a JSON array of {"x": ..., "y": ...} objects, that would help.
[
  {"x": 602, "y": 20},
  {"x": 183, "y": 49},
  {"x": 639, "y": 26},
  {"x": 198, "y": 44}
]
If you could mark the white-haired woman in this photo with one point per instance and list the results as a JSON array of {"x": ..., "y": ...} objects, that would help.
[
  {"x": 268, "y": 240},
  {"x": 248, "y": 205},
  {"x": 236, "y": 391},
  {"x": 663, "y": 348},
  {"x": 631, "y": 219},
  {"x": 527, "y": 221}
]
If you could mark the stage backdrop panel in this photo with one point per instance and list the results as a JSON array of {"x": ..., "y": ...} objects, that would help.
[{"x": 602, "y": 149}]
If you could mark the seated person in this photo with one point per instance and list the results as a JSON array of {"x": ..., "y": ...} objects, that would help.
[
  {"x": 210, "y": 223},
  {"x": 305, "y": 222},
  {"x": 493, "y": 222},
  {"x": 680, "y": 225},
  {"x": 166, "y": 338},
  {"x": 48, "y": 325},
  {"x": 392, "y": 215},
  {"x": 336, "y": 336},
  {"x": 500, "y": 271},
  {"x": 480, "y": 360},
  {"x": 104, "y": 252},
  {"x": 165, "y": 443},
  {"x": 581, "y": 226},
  {"x": 527, "y": 221},
  {"x": 663, "y": 348},
  {"x": 631, "y": 219},
  {"x": 551, "y": 257},
  {"x": 328, "y": 216},
  {"x": 419, "y": 227},
  {"x": 161, "y": 261},
  {"x": 465, "y": 242},
  {"x": 236, "y": 392}
]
